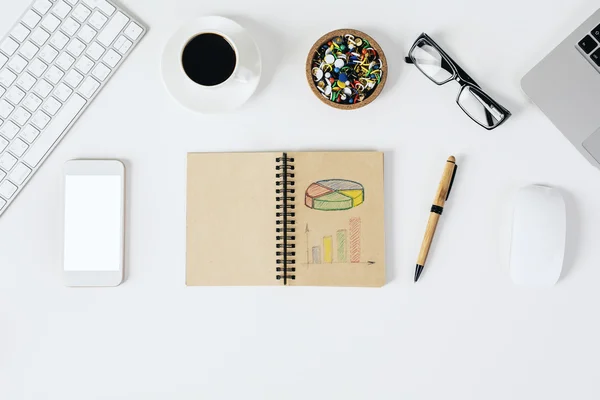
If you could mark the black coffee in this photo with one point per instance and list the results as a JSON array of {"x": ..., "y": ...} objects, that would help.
[{"x": 208, "y": 59}]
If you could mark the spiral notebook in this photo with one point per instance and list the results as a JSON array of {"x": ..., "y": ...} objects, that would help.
[{"x": 295, "y": 219}]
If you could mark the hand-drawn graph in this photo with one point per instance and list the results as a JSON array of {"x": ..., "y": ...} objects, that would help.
[
  {"x": 342, "y": 248},
  {"x": 334, "y": 195}
]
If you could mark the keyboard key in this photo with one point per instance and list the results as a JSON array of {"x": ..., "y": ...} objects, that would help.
[
  {"x": 111, "y": 58},
  {"x": 42, "y": 6},
  {"x": 39, "y": 36},
  {"x": 102, "y": 5},
  {"x": 2, "y": 91},
  {"x": 63, "y": 92},
  {"x": 123, "y": 45},
  {"x": 9, "y": 46},
  {"x": 3, "y": 144},
  {"x": 588, "y": 44},
  {"x": 9, "y": 130},
  {"x": 112, "y": 30},
  {"x": 64, "y": 61},
  {"x": 95, "y": 51},
  {"x": 21, "y": 116},
  {"x": 73, "y": 78},
  {"x": 7, "y": 77},
  {"x": 596, "y": 33},
  {"x": 105, "y": 7},
  {"x": 54, "y": 130},
  {"x": 17, "y": 64},
  {"x": 81, "y": 13},
  {"x": 89, "y": 87},
  {"x": 48, "y": 54},
  {"x": 87, "y": 34},
  {"x": 50, "y": 23},
  {"x": 101, "y": 72},
  {"x": 51, "y": 106},
  {"x": 7, "y": 161},
  {"x": 15, "y": 95},
  {"x": 29, "y": 50},
  {"x": 133, "y": 31},
  {"x": 29, "y": 133},
  {"x": 20, "y": 32},
  {"x": 18, "y": 147},
  {"x": 76, "y": 47},
  {"x": 84, "y": 65},
  {"x": 7, "y": 189},
  {"x": 32, "y": 102},
  {"x": 26, "y": 81},
  {"x": 61, "y": 9},
  {"x": 37, "y": 68},
  {"x": 59, "y": 40},
  {"x": 5, "y": 109},
  {"x": 20, "y": 172},
  {"x": 43, "y": 88},
  {"x": 40, "y": 120},
  {"x": 70, "y": 26},
  {"x": 2, "y": 203},
  {"x": 596, "y": 57},
  {"x": 97, "y": 20},
  {"x": 31, "y": 19},
  {"x": 54, "y": 75},
  {"x": 3, "y": 60}
]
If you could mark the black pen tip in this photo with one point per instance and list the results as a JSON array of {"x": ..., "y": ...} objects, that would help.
[{"x": 418, "y": 271}]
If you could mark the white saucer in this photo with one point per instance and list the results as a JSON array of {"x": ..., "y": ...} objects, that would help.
[{"x": 230, "y": 94}]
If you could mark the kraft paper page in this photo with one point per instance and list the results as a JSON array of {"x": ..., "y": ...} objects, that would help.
[
  {"x": 339, "y": 219},
  {"x": 231, "y": 219}
]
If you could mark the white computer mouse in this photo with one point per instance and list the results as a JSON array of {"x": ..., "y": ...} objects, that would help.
[{"x": 538, "y": 236}]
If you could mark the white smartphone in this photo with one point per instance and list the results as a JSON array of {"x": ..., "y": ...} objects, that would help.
[{"x": 94, "y": 222}]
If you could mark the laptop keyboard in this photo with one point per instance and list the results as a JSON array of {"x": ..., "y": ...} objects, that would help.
[{"x": 590, "y": 46}]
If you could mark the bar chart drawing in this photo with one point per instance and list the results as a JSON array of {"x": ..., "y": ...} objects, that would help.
[
  {"x": 355, "y": 240},
  {"x": 343, "y": 247},
  {"x": 316, "y": 255}
]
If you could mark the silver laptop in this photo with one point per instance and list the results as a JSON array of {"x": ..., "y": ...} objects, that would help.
[{"x": 565, "y": 85}]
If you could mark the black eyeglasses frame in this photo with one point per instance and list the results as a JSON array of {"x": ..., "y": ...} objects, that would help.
[{"x": 460, "y": 76}]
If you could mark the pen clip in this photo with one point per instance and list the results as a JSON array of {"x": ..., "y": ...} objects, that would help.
[{"x": 451, "y": 181}]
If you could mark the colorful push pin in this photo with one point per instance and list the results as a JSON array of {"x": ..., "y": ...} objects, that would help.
[
  {"x": 341, "y": 84},
  {"x": 339, "y": 63},
  {"x": 318, "y": 73},
  {"x": 329, "y": 58},
  {"x": 336, "y": 69},
  {"x": 343, "y": 77}
]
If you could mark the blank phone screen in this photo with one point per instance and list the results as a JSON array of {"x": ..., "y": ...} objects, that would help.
[{"x": 93, "y": 220}]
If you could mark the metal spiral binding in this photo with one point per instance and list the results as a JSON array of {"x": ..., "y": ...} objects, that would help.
[{"x": 285, "y": 214}]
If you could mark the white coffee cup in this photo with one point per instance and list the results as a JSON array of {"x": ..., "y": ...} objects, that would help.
[{"x": 217, "y": 96}]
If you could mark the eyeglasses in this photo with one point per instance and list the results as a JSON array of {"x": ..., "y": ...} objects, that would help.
[{"x": 432, "y": 61}]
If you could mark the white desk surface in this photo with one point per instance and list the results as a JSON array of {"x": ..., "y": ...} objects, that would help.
[{"x": 463, "y": 332}]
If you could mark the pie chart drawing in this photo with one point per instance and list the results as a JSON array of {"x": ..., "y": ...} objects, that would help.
[{"x": 334, "y": 195}]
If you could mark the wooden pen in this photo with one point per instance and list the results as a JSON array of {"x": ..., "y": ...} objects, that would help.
[{"x": 443, "y": 191}]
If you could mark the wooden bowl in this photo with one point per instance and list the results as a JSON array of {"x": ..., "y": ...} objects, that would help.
[{"x": 312, "y": 82}]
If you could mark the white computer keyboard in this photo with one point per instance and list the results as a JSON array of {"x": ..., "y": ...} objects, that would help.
[{"x": 53, "y": 62}]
